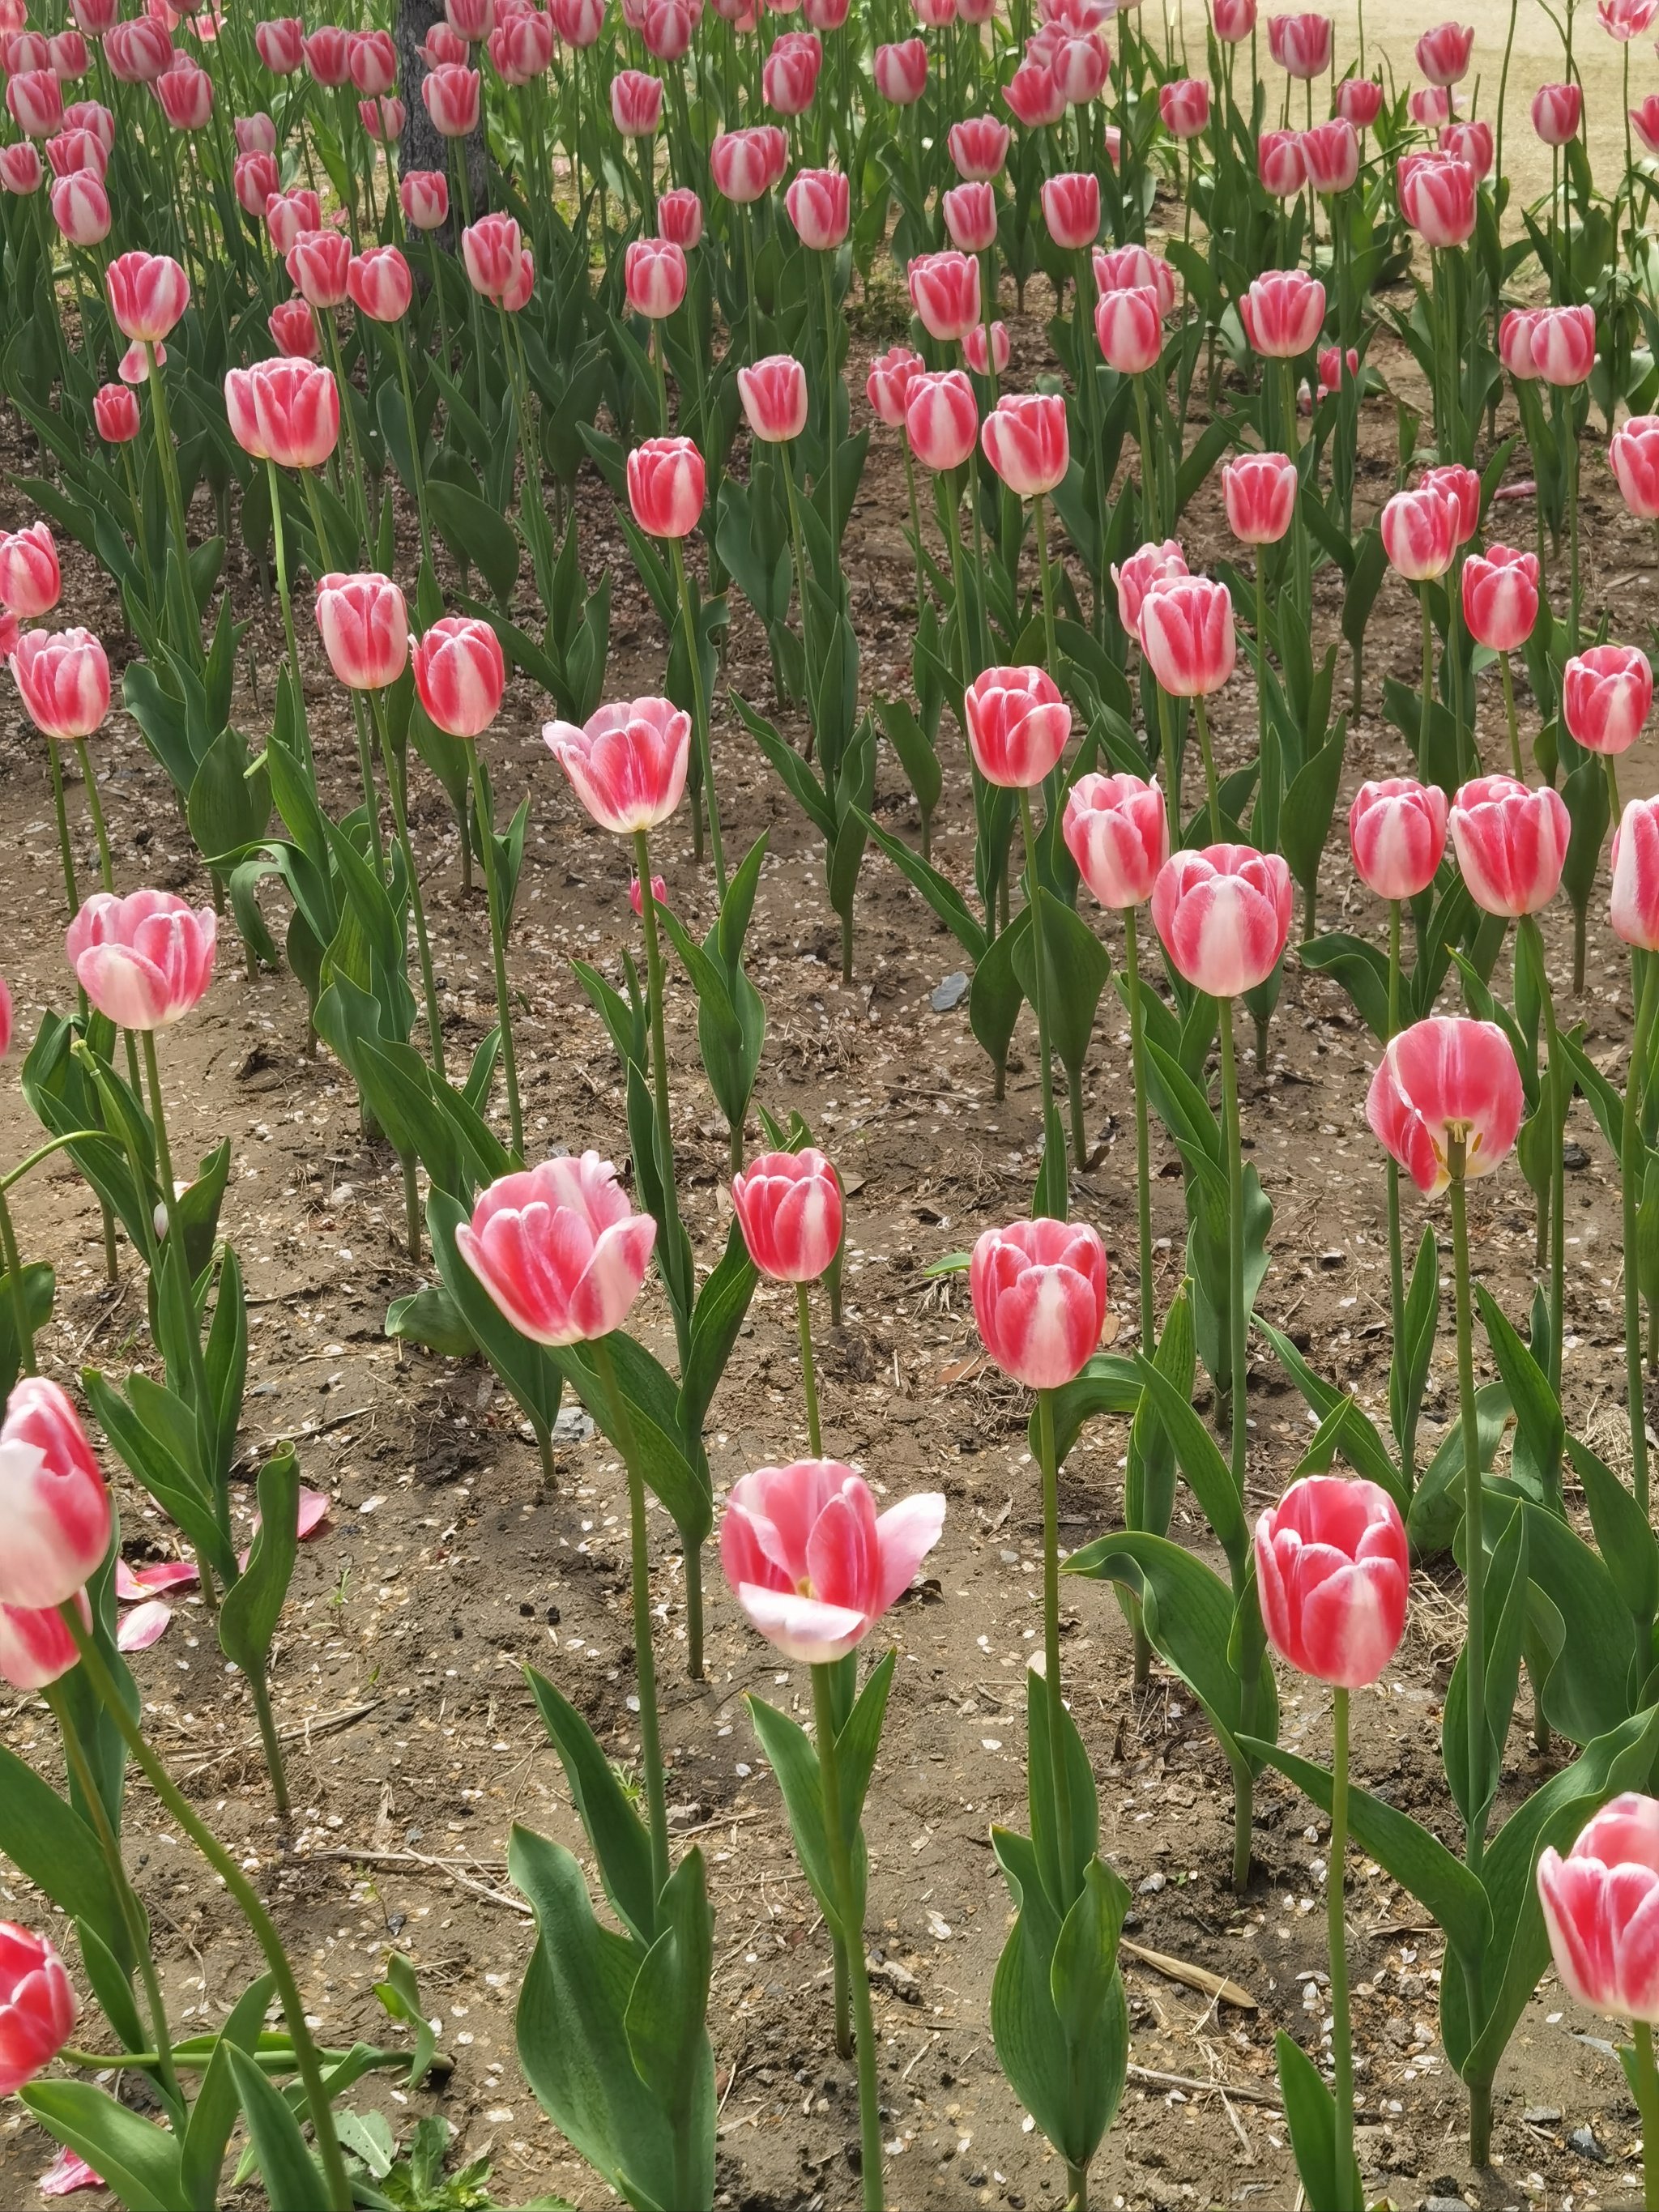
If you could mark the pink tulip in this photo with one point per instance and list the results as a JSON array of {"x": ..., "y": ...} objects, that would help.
[
  {"x": 372, "y": 63},
  {"x": 1130, "y": 331},
  {"x": 636, "y": 897},
  {"x": 983, "y": 357},
  {"x": 460, "y": 674},
  {"x": 1500, "y": 597},
  {"x": 1443, "y": 54},
  {"x": 1557, "y": 110},
  {"x": 1397, "y": 834},
  {"x": 1233, "y": 21},
  {"x": 1633, "y": 452},
  {"x": 1471, "y": 142},
  {"x": 1437, "y": 197},
  {"x": 290, "y": 215},
  {"x": 1624, "y": 20},
  {"x": 900, "y": 72},
  {"x": 1419, "y": 534},
  {"x": 945, "y": 294},
  {"x": 490, "y": 249},
  {"x": 52, "y": 1498},
  {"x": 812, "y": 1563},
  {"x": 294, "y": 329},
  {"x": 679, "y": 217},
  {"x": 423, "y": 195},
  {"x": 1440, "y": 1076},
  {"x": 91, "y": 115},
  {"x": 1510, "y": 842},
  {"x": 789, "y": 76},
  {"x": 145, "y": 960},
  {"x": 30, "y": 581},
  {"x": 21, "y": 169},
  {"x": 558, "y": 1250},
  {"x": 95, "y": 18},
  {"x": 450, "y": 96},
  {"x": 69, "y": 59},
  {"x": 627, "y": 764},
  {"x": 1026, "y": 441},
  {"x": 774, "y": 398},
  {"x": 1134, "y": 578},
  {"x": 1645, "y": 119},
  {"x": 115, "y": 411},
  {"x": 318, "y": 267},
  {"x": 1017, "y": 725},
  {"x": 654, "y": 277},
  {"x": 889, "y": 382},
  {"x": 1634, "y": 909},
  {"x": 73, "y": 151},
  {"x": 364, "y": 627},
  {"x": 1187, "y": 636},
  {"x": 1281, "y": 166},
  {"x": 1428, "y": 107},
  {"x": 970, "y": 217},
  {"x": 380, "y": 284},
  {"x": 280, "y": 45},
  {"x": 255, "y": 179},
  {"x": 1461, "y": 487},
  {"x": 1260, "y": 490},
  {"x": 1081, "y": 67},
  {"x": 1562, "y": 341},
  {"x": 326, "y": 55},
  {"x": 521, "y": 47},
  {"x": 1116, "y": 828},
  {"x": 147, "y": 293},
  {"x": 1601, "y": 1909},
  {"x": 1184, "y": 105},
  {"x": 789, "y": 1207},
  {"x": 820, "y": 206},
  {"x": 138, "y": 51},
  {"x": 941, "y": 418},
  {"x": 666, "y": 486},
  {"x": 1331, "y": 367},
  {"x": 1607, "y": 693},
  {"x": 286, "y": 411},
  {"x": 1359, "y": 101},
  {"x": 1039, "y": 1294},
  {"x": 1301, "y": 44},
  {"x": 979, "y": 147},
  {"x": 578, "y": 22},
  {"x": 1282, "y": 314},
  {"x": 63, "y": 679},
  {"x": 185, "y": 94},
  {"x": 1515, "y": 344},
  {"x": 383, "y": 119},
  {"x": 37, "y": 2004},
  {"x": 1071, "y": 208},
  {"x": 741, "y": 164},
  {"x": 472, "y": 19},
  {"x": 1130, "y": 268},
  {"x": 1334, "y": 1574},
  {"x": 1033, "y": 96},
  {"x": 1330, "y": 152},
  {"x": 1223, "y": 916},
  {"x": 35, "y": 103}
]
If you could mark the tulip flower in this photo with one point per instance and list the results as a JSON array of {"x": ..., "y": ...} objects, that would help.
[
  {"x": 53, "y": 1498},
  {"x": 819, "y": 204},
  {"x": 979, "y": 147},
  {"x": 775, "y": 400},
  {"x": 294, "y": 331},
  {"x": 1187, "y": 636},
  {"x": 145, "y": 960},
  {"x": 450, "y": 96},
  {"x": 1443, "y": 54},
  {"x": 38, "y": 2009},
  {"x": 666, "y": 487},
  {"x": 318, "y": 266},
  {"x": 1436, "y": 198},
  {"x": 34, "y": 101},
  {"x": 1024, "y": 439},
  {"x": 30, "y": 579},
  {"x": 290, "y": 215},
  {"x": 654, "y": 277},
  {"x": 115, "y": 411},
  {"x": 1330, "y": 154},
  {"x": 147, "y": 293},
  {"x": 254, "y": 180},
  {"x": 1233, "y": 21},
  {"x": 280, "y": 45},
  {"x": 1419, "y": 536},
  {"x": 789, "y": 1207},
  {"x": 185, "y": 95},
  {"x": 1562, "y": 343},
  {"x": 741, "y": 164},
  {"x": 900, "y": 72},
  {"x": 1183, "y": 104},
  {"x": 1359, "y": 101},
  {"x": 138, "y": 51},
  {"x": 945, "y": 292},
  {"x": 1511, "y": 844},
  {"x": 970, "y": 217},
  {"x": 1301, "y": 44},
  {"x": 1281, "y": 165},
  {"x": 379, "y": 285},
  {"x": 789, "y": 76},
  {"x": 986, "y": 353},
  {"x": 20, "y": 172},
  {"x": 1397, "y": 834},
  {"x": 1646, "y": 121},
  {"x": 1017, "y": 726},
  {"x": 81, "y": 209},
  {"x": 1557, "y": 110},
  {"x": 1129, "y": 329},
  {"x": 1606, "y": 694},
  {"x": 1125, "y": 267},
  {"x": 679, "y": 217},
  {"x": 286, "y": 412},
  {"x": 365, "y": 629},
  {"x": 941, "y": 418},
  {"x": 423, "y": 195},
  {"x": 627, "y": 764},
  {"x": 1260, "y": 490},
  {"x": 62, "y": 680},
  {"x": 889, "y": 383},
  {"x": 1134, "y": 578},
  {"x": 1634, "y": 912},
  {"x": 1071, "y": 208},
  {"x": 1472, "y": 144}
]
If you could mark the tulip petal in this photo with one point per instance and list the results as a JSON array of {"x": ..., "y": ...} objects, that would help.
[
  {"x": 144, "y": 1624},
  {"x": 804, "y": 1628},
  {"x": 906, "y": 1533}
]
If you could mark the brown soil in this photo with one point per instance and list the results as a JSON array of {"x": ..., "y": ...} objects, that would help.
[{"x": 441, "y": 1572}]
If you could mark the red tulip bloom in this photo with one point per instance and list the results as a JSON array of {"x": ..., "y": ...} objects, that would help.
[
  {"x": 1500, "y": 597},
  {"x": 372, "y": 62},
  {"x": 472, "y": 19},
  {"x": 1081, "y": 67},
  {"x": 37, "y": 2004},
  {"x": 1461, "y": 489},
  {"x": 1259, "y": 491},
  {"x": 75, "y": 151},
  {"x": 1301, "y": 44},
  {"x": 1515, "y": 344},
  {"x": 147, "y": 293},
  {"x": 1601, "y": 1910},
  {"x": 559, "y": 1251},
  {"x": 812, "y": 1563},
  {"x": 1606, "y": 694},
  {"x": 740, "y": 163},
  {"x": 1026, "y": 441},
  {"x": 1624, "y": 20},
  {"x": 95, "y": 18},
  {"x": 1330, "y": 153},
  {"x": 1440, "y": 1078},
  {"x": 1333, "y": 1573},
  {"x": 1557, "y": 110},
  {"x": 31, "y": 582},
  {"x": 145, "y": 960},
  {"x": 1634, "y": 909},
  {"x": 364, "y": 627},
  {"x": 52, "y": 1498},
  {"x": 490, "y": 249},
  {"x": 900, "y": 72},
  {"x": 1071, "y": 208},
  {"x": 62, "y": 680},
  {"x": 383, "y": 118},
  {"x": 654, "y": 277},
  {"x": 1134, "y": 578},
  {"x": 774, "y": 398},
  {"x": 290, "y": 215},
  {"x": 1017, "y": 725},
  {"x": 1437, "y": 197},
  {"x": 255, "y": 181},
  {"x": 450, "y": 96},
  {"x": 1033, "y": 96},
  {"x": 1223, "y": 914},
  {"x": 945, "y": 294},
  {"x": 1471, "y": 142},
  {"x": 379, "y": 284},
  {"x": 789, "y": 1207},
  {"x": 789, "y": 76},
  {"x": 1633, "y": 453},
  {"x": 1130, "y": 331},
  {"x": 423, "y": 195},
  {"x": 444, "y": 48},
  {"x": 941, "y": 418},
  {"x": 138, "y": 51},
  {"x": 1233, "y": 21},
  {"x": 1428, "y": 107},
  {"x": 1039, "y": 1295},
  {"x": 1184, "y": 106},
  {"x": 326, "y": 55},
  {"x": 185, "y": 92},
  {"x": 1283, "y": 312},
  {"x": 1511, "y": 844},
  {"x": 679, "y": 217},
  {"x": 889, "y": 382},
  {"x": 294, "y": 331},
  {"x": 521, "y": 47},
  {"x": 1116, "y": 828},
  {"x": 636, "y": 103},
  {"x": 1645, "y": 119},
  {"x": 666, "y": 486},
  {"x": 1331, "y": 367},
  {"x": 1128, "y": 268},
  {"x": 1187, "y": 634},
  {"x": 983, "y": 357},
  {"x": 21, "y": 169},
  {"x": 1443, "y": 54},
  {"x": 1281, "y": 165},
  {"x": 35, "y": 102},
  {"x": 1397, "y": 834},
  {"x": 460, "y": 674},
  {"x": 820, "y": 206},
  {"x": 286, "y": 411},
  {"x": 1562, "y": 343},
  {"x": 1419, "y": 534},
  {"x": 1359, "y": 101},
  {"x": 280, "y": 45},
  {"x": 318, "y": 265},
  {"x": 115, "y": 411},
  {"x": 979, "y": 147},
  {"x": 627, "y": 764},
  {"x": 970, "y": 217}
]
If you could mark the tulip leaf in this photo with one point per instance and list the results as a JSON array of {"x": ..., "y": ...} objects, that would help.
[
  {"x": 39, "y": 1287},
  {"x": 1585, "y": 1691},
  {"x": 1360, "y": 969},
  {"x": 476, "y": 533},
  {"x": 996, "y": 997},
  {"x": 914, "y": 750},
  {"x": 218, "y": 2106},
  {"x": 1109, "y": 1384},
  {"x": 941, "y": 893},
  {"x": 292, "y": 2181},
  {"x": 399, "y": 1996},
  {"x": 1199, "y": 1457},
  {"x": 137, "y": 2160},
  {"x": 665, "y": 2025},
  {"x": 1473, "y": 1791},
  {"x": 718, "y": 1315},
  {"x": 1541, "y": 1433},
  {"x": 681, "y": 1483},
  {"x": 1149, "y": 1481},
  {"x": 614, "y": 1829},
  {"x": 1623, "y": 1534},
  {"x": 1311, "y": 2114},
  {"x": 1408, "y": 1367},
  {"x": 795, "y": 1763},
  {"x": 252, "y": 1607}
]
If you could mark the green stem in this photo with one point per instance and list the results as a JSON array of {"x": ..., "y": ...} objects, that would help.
[
  {"x": 1517, "y": 765},
  {"x": 1148, "y": 493},
  {"x": 809, "y": 1380},
  {"x": 1474, "y": 1562},
  {"x": 673, "y": 1235},
  {"x": 1428, "y": 683},
  {"x": 1040, "y": 524},
  {"x": 1059, "y": 1764},
  {"x": 1237, "y": 1317},
  {"x": 259, "y": 1690},
  {"x": 20, "y": 1304},
  {"x": 94, "y": 807},
  {"x": 1633, "y": 1150},
  {"x": 851, "y": 1933},
  {"x": 305, "y": 2060},
  {"x": 163, "y": 1155},
  {"x": 497, "y": 940},
  {"x": 1406, "y": 1445},
  {"x": 1341, "y": 2029},
  {"x": 169, "y": 461},
  {"x": 1039, "y": 965},
  {"x": 1298, "y": 532},
  {"x": 1647, "y": 2099},
  {"x": 66, "y": 851},
  {"x": 1143, "y": 1153},
  {"x": 396, "y": 770},
  {"x": 53, "y": 1145},
  {"x": 131, "y": 1912},
  {"x": 640, "y": 1576},
  {"x": 286, "y": 597},
  {"x": 1212, "y": 787},
  {"x": 700, "y": 716},
  {"x": 402, "y": 351},
  {"x": 1559, "y": 1097}
]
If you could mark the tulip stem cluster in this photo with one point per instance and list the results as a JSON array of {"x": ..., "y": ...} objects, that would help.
[
  {"x": 1558, "y": 1078},
  {"x": 1054, "y": 1158},
  {"x": 699, "y": 717},
  {"x": 1059, "y": 1764},
  {"x": 1341, "y": 2025},
  {"x": 1632, "y": 1175},
  {"x": 809, "y": 1378},
  {"x": 1474, "y": 1553},
  {"x": 497, "y": 941},
  {"x": 844, "y": 1888}
]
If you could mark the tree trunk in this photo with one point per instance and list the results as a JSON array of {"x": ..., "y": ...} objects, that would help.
[{"x": 422, "y": 147}]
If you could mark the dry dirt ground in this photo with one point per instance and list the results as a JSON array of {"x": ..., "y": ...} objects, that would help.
[{"x": 441, "y": 1571}]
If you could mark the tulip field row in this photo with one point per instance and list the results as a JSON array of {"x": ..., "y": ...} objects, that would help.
[{"x": 1074, "y": 546}]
